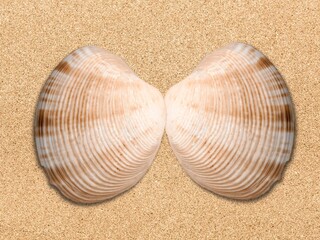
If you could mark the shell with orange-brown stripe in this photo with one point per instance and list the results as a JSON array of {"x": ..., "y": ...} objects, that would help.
[
  {"x": 231, "y": 122},
  {"x": 97, "y": 126}
]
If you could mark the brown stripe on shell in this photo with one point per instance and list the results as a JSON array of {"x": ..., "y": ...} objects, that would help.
[
  {"x": 64, "y": 67},
  {"x": 263, "y": 62}
]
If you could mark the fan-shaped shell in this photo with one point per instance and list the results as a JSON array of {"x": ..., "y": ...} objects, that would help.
[
  {"x": 231, "y": 124},
  {"x": 98, "y": 126}
]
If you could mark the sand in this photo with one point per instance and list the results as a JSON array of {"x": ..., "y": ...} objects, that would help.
[{"x": 162, "y": 42}]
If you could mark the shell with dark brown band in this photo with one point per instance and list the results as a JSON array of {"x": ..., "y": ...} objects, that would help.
[
  {"x": 231, "y": 122},
  {"x": 98, "y": 126}
]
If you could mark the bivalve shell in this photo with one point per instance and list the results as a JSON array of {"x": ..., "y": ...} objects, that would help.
[
  {"x": 97, "y": 126},
  {"x": 231, "y": 122}
]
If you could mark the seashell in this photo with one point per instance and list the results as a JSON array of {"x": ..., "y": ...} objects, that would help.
[
  {"x": 231, "y": 122},
  {"x": 97, "y": 126}
]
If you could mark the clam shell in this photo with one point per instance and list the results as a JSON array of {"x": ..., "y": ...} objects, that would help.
[
  {"x": 231, "y": 123},
  {"x": 97, "y": 126}
]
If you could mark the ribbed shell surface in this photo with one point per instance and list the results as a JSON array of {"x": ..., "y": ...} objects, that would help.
[
  {"x": 97, "y": 126},
  {"x": 231, "y": 122}
]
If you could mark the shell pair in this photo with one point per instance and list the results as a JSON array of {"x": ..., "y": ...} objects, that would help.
[{"x": 98, "y": 126}]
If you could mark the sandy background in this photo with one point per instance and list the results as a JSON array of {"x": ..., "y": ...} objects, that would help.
[{"x": 162, "y": 42}]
